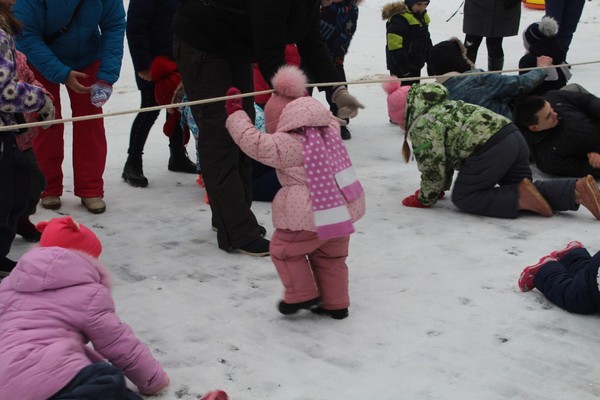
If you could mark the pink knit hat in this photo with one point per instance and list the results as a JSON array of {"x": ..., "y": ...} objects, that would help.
[
  {"x": 396, "y": 100},
  {"x": 67, "y": 233},
  {"x": 289, "y": 83}
]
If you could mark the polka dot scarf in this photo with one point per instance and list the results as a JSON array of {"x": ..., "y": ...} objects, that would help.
[{"x": 331, "y": 181}]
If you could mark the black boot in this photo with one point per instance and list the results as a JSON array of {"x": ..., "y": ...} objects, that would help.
[
  {"x": 335, "y": 314},
  {"x": 293, "y": 308},
  {"x": 27, "y": 230},
  {"x": 180, "y": 162},
  {"x": 6, "y": 266},
  {"x": 495, "y": 64},
  {"x": 133, "y": 173}
]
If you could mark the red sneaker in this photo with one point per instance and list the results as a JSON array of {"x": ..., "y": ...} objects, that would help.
[
  {"x": 558, "y": 254},
  {"x": 215, "y": 395},
  {"x": 527, "y": 277}
]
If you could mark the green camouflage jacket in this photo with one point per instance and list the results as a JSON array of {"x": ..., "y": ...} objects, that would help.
[{"x": 443, "y": 134}]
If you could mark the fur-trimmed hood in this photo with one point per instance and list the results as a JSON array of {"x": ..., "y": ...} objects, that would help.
[
  {"x": 448, "y": 56},
  {"x": 392, "y": 9}
]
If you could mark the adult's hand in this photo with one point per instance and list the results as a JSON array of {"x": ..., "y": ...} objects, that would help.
[
  {"x": 73, "y": 82},
  {"x": 347, "y": 104},
  {"x": 145, "y": 75},
  {"x": 544, "y": 61},
  {"x": 594, "y": 159}
]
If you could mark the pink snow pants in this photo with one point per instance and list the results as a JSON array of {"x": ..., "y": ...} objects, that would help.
[
  {"x": 309, "y": 267},
  {"x": 89, "y": 142}
]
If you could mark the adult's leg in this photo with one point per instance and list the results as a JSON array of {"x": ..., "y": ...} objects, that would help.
[
  {"x": 495, "y": 53},
  {"x": 38, "y": 181},
  {"x": 143, "y": 122},
  {"x": 289, "y": 250},
  {"x": 98, "y": 381},
  {"x": 328, "y": 264},
  {"x": 15, "y": 181},
  {"x": 225, "y": 168},
  {"x": 574, "y": 289},
  {"x": 472, "y": 43},
  {"x": 559, "y": 193},
  {"x": 567, "y": 14},
  {"x": 486, "y": 183},
  {"x": 49, "y": 146},
  {"x": 89, "y": 141}
]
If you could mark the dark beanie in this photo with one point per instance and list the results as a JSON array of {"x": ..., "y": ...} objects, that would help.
[
  {"x": 546, "y": 28},
  {"x": 410, "y": 3},
  {"x": 448, "y": 56}
]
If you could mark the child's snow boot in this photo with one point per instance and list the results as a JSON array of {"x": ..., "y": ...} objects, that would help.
[
  {"x": 293, "y": 308},
  {"x": 335, "y": 314}
]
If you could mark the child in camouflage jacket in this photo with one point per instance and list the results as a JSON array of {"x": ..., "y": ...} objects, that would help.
[{"x": 488, "y": 151}]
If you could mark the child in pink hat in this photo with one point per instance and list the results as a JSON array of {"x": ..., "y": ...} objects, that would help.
[
  {"x": 55, "y": 301},
  {"x": 320, "y": 198}
]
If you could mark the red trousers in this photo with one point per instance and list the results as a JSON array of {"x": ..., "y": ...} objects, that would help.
[
  {"x": 89, "y": 142},
  {"x": 310, "y": 268}
]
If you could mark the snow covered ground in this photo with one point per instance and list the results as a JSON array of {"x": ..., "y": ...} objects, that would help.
[{"x": 436, "y": 312}]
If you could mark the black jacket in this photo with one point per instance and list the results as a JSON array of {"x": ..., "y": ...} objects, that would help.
[
  {"x": 149, "y": 32},
  {"x": 257, "y": 31},
  {"x": 550, "y": 47},
  {"x": 563, "y": 149}
]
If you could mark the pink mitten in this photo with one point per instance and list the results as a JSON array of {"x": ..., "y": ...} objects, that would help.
[{"x": 233, "y": 105}]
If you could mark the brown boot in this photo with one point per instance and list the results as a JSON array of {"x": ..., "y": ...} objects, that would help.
[
  {"x": 588, "y": 195},
  {"x": 532, "y": 200}
]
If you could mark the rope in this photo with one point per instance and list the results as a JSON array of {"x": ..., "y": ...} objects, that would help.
[{"x": 242, "y": 95}]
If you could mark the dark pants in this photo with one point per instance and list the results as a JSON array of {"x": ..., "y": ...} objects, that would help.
[
  {"x": 567, "y": 14},
  {"x": 225, "y": 168},
  {"x": 98, "y": 381},
  {"x": 493, "y": 44},
  {"x": 38, "y": 182},
  {"x": 15, "y": 185},
  {"x": 571, "y": 283},
  {"x": 143, "y": 122},
  {"x": 487, "y": 181}
]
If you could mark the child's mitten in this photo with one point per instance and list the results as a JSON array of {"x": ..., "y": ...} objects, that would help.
[
  {"x": 233, "y": 105},
  {"x": 101, "y": 92},
  {"x": 413, "y": 201}
]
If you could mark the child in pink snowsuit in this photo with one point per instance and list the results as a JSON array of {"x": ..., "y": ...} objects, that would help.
[
  {"x": 55, "y": 301},
  {"x": 320, "y": 198}
]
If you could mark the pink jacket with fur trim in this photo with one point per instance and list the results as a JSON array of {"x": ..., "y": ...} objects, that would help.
[
  {"x": 282, "y": 150},
  {"x": 53, "y": 303}
]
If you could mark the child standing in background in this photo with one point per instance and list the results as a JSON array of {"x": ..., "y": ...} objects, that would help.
[
  {"x": 313, "y": 225},
  {"x": 407, "y": 38},
  {"x": 16, "y": 98},
  {"x": 338, "y": 24},
  {"x": 567, "y": 277}
]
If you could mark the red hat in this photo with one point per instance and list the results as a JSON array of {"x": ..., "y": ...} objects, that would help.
[
  {"x": 166, "y": 79},
  {"x": 67, "y": 233}
]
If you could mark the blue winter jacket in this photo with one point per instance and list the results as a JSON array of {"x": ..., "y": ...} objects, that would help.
[
  {"x": 96, "y": 34},
  {"x": 496, "y": 92}
]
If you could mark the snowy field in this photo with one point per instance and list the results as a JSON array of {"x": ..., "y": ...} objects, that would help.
[{"x": 436, "y": 312}]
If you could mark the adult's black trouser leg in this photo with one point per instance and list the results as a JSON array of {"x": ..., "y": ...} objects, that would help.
[
  {"x": 15, "y": 184},
  {"x": 225, "y": 168},
  {"x": 143, "y": 122}
]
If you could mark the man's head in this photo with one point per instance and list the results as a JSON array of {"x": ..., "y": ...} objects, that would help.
[{"x": 535, "y": 114}]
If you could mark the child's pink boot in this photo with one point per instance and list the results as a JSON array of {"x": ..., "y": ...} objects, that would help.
[
  {"x": 558, "y": 254},
  {"x": 215, "y": 395},
  {"x": 527, "y": 278}
]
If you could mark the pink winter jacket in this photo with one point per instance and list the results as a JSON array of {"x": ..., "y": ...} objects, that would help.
[
  {"x": 53, "y": 303},
  {"x": 292, "y": 207}
]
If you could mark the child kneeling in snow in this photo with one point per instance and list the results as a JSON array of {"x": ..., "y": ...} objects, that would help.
[
  {"x": 55, "y": 301},
  {"x": 320, "y": 198}
]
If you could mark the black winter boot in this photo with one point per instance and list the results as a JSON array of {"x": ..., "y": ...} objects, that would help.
[
  {"x": 6, "y": 266},
  {"x": 180, "y": 162},
  {"x": 495, "y": 64},
  {"x": 335, "y": 314},
  {"x": 293, "y": 308},
  {"x": 133, "y": 173},
  {"x": 27, "y": 230}
]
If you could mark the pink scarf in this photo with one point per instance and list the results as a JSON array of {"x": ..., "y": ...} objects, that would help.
[{"x": 331, "y": 181}]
